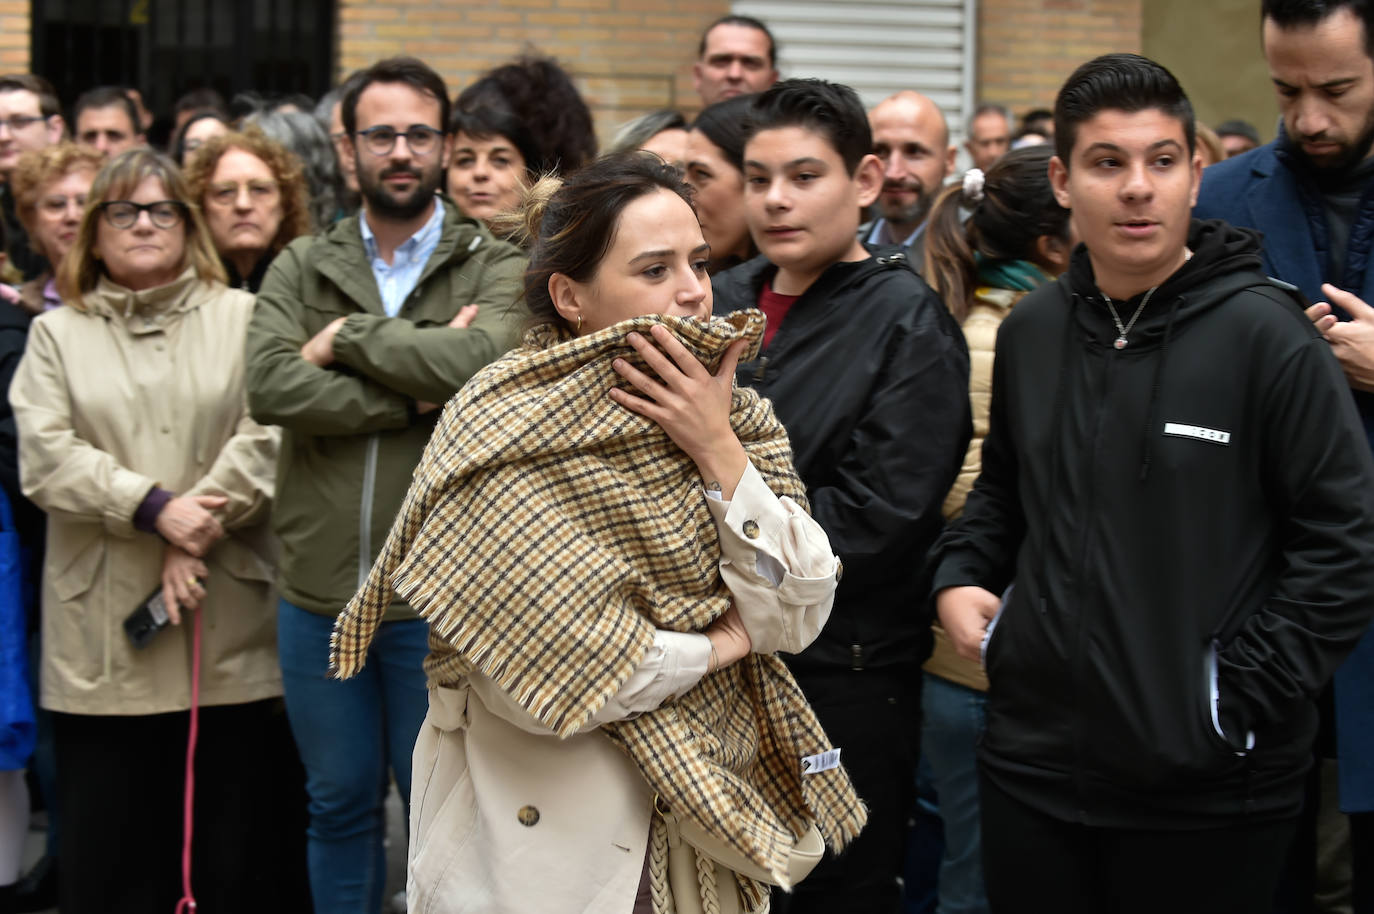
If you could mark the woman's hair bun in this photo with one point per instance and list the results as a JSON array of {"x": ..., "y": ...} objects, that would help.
[{"x": 521, "y": 225}]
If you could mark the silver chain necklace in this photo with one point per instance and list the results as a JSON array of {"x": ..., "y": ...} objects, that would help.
[{"x": 1116, "y": 318}]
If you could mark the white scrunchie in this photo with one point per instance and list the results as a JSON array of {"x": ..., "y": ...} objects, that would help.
[{"x": 973, "y": 186}]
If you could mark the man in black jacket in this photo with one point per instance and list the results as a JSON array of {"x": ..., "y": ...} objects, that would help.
[
  {"x": 1177, "y": 483},
  {"x": 869, "y": 373}
]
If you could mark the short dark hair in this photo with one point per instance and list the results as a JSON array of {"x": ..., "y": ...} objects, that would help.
[
  {"x": 1238, "y": 127},
  {"x": 573, "y": 224},
  {"x": 1288, "y": 14},
  {"x": 726, "y": 124},
  {"x": 202, "y": 99},
  {"x": 542, "y": 94},
  {"x": 829, "y": 109},
  {"x": 1118, "y": 82},
  {"x": 106, "y": 97},
  {"x": 48, "y": 104},
  {"x": 748, "y": 22},
  {"x": 490, "y": 120},
  {"x": 991, "y": 108},
  {"x": 408, "y": 70}
]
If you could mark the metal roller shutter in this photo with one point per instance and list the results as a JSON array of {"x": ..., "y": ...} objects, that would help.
[{"x": 879, "y": 47}]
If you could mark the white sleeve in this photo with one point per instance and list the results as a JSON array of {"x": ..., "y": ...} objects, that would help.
[
  {"x": 777, "y": 562},
  {"x": 673, "y": 664}
]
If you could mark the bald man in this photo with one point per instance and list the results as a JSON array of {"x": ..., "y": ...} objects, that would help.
[{"x": 911, "y": 138}]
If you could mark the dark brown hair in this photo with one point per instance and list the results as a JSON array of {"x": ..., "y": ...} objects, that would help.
[
  {"x": 573, "y": 223},
  {"x": 1016, "y": 208}
]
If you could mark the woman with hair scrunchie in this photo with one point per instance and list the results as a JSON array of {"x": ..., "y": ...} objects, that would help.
[
  {"x": 1017, "y": 238},
  {"x": 609, "y": 542}
]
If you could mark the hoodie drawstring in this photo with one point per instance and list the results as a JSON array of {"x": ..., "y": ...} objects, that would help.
[{"x": 1152, "y": 414}]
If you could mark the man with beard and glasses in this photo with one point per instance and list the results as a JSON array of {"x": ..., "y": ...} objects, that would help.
[
  {"x": 359, "y": 336},
  {"x": 911, "y": 139},
  {"x": 1311, "y": 192}
]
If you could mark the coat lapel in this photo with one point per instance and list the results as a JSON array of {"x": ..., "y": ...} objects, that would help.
[{"x": 1289, "y": 249}]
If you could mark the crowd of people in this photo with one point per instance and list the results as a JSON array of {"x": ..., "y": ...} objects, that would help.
[{"x": 758, "y": 514}]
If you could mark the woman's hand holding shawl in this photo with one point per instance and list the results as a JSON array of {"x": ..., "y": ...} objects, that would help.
[{"x": 688, "y": 402}]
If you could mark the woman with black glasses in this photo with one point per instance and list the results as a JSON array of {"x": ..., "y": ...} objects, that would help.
[{"x": 136, "y": 440}]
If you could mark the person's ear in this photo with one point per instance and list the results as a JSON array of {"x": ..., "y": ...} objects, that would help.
[
  {"x": 868, "y": 179},
  {"x": 1197, "y": 178},
  {"x": 1059, "y": 182},
  {"x": 951, "y": 157},
  {"x": 567, "y": 296},
  {"x": 1053, "y": 253},
  {"x": 446, "y": 152},
  {"x": 57, "y": 129},
  {"x": 696, "y": 77}
]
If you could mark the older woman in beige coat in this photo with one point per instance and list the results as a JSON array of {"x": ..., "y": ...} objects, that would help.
[{"x": 136, "y": 440}]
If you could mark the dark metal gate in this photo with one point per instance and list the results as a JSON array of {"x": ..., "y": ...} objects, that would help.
[{"x": 167, "y": 47}]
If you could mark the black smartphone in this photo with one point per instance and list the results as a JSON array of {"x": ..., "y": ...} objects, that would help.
[{"x": 144, "y": 623}]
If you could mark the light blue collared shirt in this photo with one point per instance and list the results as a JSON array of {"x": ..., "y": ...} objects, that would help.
[
  {"x": 877, "y": 236},
  {"x": 396, "y": 280}
]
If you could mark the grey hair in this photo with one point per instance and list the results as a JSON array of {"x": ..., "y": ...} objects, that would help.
[
  {"x": 302, "y": 134},
  {"x": 633, "y": 134}
]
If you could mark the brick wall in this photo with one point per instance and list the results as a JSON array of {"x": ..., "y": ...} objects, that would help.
[
  {"x": 14, "y": 36},
  {"x": 628, "y": 56},
  {"x": 1026, "y": 48}
]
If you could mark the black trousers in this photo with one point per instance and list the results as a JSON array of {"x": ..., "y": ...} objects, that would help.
[
  {"x": 1362, "y": 862},
  {"x": 120, "y": 782},
  {"x": 874, "y": 716},
  {"x": 1036, "y": 863}
]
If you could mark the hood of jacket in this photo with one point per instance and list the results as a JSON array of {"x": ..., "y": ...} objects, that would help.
[{"x": 1225, "y": 260}]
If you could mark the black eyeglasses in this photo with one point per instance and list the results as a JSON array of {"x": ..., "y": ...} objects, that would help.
[
  {"x": 164, "y": 214},
  {"x": 18, "y": 122},
  {"x": 420, "y": 140}
]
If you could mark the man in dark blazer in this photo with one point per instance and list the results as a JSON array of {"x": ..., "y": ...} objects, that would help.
[{"x": 1311, "y": 192}]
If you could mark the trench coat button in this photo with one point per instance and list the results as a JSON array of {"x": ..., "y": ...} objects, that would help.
[
  {"x": 528, "y": 816},
  {"x": 166, "y": 430},
  {"x": 839, "y": 569},
  {"x": 751, "y": 529}
]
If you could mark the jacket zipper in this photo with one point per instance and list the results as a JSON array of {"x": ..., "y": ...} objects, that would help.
[
  {"x": 365, "y": 509},
  {"x": 1080, "y": 661}
]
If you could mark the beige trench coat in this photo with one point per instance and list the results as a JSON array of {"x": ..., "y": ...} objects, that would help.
[
  {"x": 144, "y": 389},
  {"x": 505, "y": 818}
]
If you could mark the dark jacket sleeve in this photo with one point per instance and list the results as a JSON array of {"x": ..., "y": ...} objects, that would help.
[
  {"x": 1321, "y": 479},
  {"x": 980, "y": 547},
  {"x": 887, "y": 489},
  {"x": 12, "y": 339}
]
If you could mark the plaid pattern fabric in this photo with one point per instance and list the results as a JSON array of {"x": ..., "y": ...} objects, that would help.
[{"x": 548, "y": 531}]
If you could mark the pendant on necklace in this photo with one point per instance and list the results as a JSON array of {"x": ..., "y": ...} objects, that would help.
[{"x": 1120, "y": 342}]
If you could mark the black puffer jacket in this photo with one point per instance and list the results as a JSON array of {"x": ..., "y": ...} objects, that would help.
[
  {"x": 1190, "y": 525},
  {"x": 869, "y": 374}
]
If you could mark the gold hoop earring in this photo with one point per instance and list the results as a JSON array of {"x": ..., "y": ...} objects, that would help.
[{"x": 579, "y": 324}]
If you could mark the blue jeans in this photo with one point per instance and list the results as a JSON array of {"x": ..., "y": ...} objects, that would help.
[
  {"x": 952, "y": 721},
  {"x": 348, "y": 733}
]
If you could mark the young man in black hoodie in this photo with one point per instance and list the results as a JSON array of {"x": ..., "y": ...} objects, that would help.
[
  {"x": 869, "y": 373},
  {"x": 1178, "y": 485}
]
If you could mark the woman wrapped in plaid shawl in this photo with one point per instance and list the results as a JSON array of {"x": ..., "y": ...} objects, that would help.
[{"x": 609, "y": 543}]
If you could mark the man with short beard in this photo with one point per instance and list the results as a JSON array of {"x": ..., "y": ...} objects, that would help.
[
  {"x": 359, "y": 336},
  {"x": 1311, "y": 192},
  {"x": 911, "y": 138}
]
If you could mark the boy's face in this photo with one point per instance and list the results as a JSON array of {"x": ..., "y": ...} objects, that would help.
[
  {"x": 1131, "y": 187},
  {"x": 801, "y": 203}
]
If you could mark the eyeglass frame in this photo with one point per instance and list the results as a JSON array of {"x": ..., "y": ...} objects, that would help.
[
  {"x": 28, "y": 119},
  {"x": 183, "y": 213},
  {"x": 436, "y": 134}
]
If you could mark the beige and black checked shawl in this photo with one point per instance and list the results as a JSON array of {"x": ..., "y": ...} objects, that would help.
[{"x": 548, "y": 531}]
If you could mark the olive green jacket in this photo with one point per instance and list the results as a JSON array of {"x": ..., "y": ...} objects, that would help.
[{"x": 351, "y": 433}]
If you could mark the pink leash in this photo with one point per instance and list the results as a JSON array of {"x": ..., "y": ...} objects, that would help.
[{"x": 188, "y": 898}]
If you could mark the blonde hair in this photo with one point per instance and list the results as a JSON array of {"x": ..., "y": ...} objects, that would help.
[
  {"x": 286, "y": 171},
  {"x": 80, "y": 270},
  {"x": 41, "y": 167}
]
